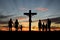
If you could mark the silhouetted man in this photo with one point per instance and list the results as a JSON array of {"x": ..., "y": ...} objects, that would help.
[
  {"x": 39, "y": 25},
  {"x": 16, "y": 24},
  {"x": 46, "y": 27},
  {"x": 10, "y": 25},
  {"x": 43, "y": 27},
  {"x": 48, "y": 24},
  {"x": 21, "y": 27}
]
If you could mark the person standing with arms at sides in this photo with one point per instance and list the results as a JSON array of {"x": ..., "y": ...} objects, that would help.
[
  {"x": 43, "y": 26},
  {"x": 10, "y": 24},
  {"x": 46, "y": 27},
  {"x": 48, "y": 24},
  {"x": 16, "y": 25},
  {"x": 39, "y": 25},
  {"x": 21, "y": 27}
]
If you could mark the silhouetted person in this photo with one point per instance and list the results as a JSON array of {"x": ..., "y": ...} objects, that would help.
[
  {"x": 16, "y": 24},
  {"x": 21, "y": 27},
  {"x": 43, "y": 27},
  {"x": 48, "y": 24},
  {"x": 39, "y": 25},
  {"x": 10, "y": 25},
  {"x": 46, "y": 27}
]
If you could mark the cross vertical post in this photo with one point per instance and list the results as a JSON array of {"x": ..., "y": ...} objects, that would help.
[{"x": 30, "y": 15}]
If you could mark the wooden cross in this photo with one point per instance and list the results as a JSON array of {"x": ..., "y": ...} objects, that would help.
[{"x": 30, "y": 15}]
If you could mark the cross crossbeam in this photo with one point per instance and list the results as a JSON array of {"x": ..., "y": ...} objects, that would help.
[{"x": 30, "y": 15}]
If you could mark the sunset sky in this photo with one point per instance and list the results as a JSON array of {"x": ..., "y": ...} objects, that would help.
[{"x": 16, "y": 9}]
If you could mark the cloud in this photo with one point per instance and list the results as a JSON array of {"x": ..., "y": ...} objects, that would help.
[
  {"x": 3, "y": 22},
  {"x": 57, "y": 23},
  {"x": 41, "y": 9},
  {"x": 23, "y": 9},
  {"x": 3, "y": 19},
  {"x": 23, "y": 18},
  {"x": 31, "y": 21},
  {"x": 3, "y": 16},
  {"x": 38, "y": 9}
]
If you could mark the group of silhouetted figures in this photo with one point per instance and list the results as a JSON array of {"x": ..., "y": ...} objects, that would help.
[
  {"x": 40, "y": 25},
  {"x": 16, "y": 25}
]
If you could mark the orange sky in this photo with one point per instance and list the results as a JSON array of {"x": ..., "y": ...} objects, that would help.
[{"x": 26, "y": 24}]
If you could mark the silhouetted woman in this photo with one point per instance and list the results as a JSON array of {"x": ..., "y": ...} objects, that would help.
[
  {"x": 48, "y": 23},
  {"x": 10, "y": 25},
  {"x": 16, "y": 24},
  {"x": 39, "y": 25},
  {"x": 43, "y": 27}
]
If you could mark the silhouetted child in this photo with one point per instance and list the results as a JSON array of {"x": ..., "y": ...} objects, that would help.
[
  {"x": 48, "y": 24},
  {"x": 16, "y": 24},
  {"x": 43, "y": 27},
  {"x": 39, "y": 25},
  {"x": 10, "y": 25},
  {"x": 21, "y": 27}
]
